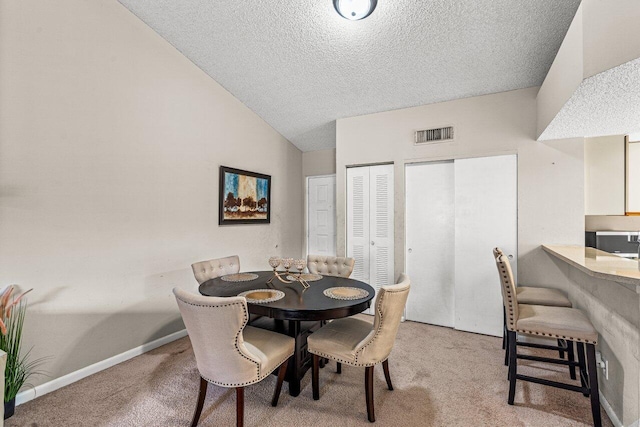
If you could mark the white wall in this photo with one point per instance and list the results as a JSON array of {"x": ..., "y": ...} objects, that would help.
[
  {"x": 564, "y": 76},
  {"x": 321, "y": 162},
  {"x": 550, "y": 174},
  {"x": 611, "y": 34},
  {"x": 603, "y": 35},
  {"x": 604, "y": 175},
  {"x": 110, "y": 144}
]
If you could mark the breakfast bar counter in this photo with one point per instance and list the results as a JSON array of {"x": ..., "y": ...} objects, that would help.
[
  {"x": 599, "y": 264},
  {"x": 607, "y": 288}
]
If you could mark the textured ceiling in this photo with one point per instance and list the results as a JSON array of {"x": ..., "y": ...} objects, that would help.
[
  {"x": 605, "y": 104},
  {"x": 301, "y": 66}
]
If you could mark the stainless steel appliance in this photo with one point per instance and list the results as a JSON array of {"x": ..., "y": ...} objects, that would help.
[{"x": 621, "y": 243}]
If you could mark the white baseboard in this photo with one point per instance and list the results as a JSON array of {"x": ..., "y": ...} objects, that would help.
[
  {"x": 72, "y": 377},
  {"x": 609, "y": 410}
]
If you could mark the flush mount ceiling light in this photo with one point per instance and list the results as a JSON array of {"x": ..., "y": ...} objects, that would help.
[{"x": 354, "y": 9}]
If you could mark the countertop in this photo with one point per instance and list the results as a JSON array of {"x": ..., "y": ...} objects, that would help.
[{"x": 599, "y": 264}]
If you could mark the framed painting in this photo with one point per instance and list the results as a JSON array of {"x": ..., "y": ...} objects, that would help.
[{"x": 245, "y": 197}]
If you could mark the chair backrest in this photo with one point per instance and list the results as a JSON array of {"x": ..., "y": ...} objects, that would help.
[
  {"x": 215, "y": 327},
  {"x": 207, "y": 270},
  {"x": 509, "y": 295},
  {"x": 389, "y": 307},
  {"x": 330, "y": 265},
  {"x": 497, "y": 252}
]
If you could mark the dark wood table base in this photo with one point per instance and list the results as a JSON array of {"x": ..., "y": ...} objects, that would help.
[{"x": 302, "y": 359}]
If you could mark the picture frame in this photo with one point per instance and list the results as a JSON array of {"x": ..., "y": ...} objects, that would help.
[{"x": 244, "y": 197}]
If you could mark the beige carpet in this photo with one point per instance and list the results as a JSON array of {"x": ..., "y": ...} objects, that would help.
[{"x": 442, "y": 377}]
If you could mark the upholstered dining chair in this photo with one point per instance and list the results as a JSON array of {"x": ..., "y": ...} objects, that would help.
[
  {"x": 228, "y": 352},
  {"x": 569, "y": 324},
  {"x": 330, "y": 265},
  {"x": 207, "y": 270},
  {"x": 356, "y": 342},
  {"x": 532, "y": 295}
]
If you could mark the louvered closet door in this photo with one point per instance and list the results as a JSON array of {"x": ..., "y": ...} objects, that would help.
[
  {"x": 370, "y": 224},
  {"x": 358, "y": 221},
  {"x": 381, "y": 226}
]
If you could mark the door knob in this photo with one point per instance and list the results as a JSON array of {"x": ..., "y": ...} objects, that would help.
[
  {"x": 373, "y": 243},
  {"x": 510, "y": 256},
  {"x": 410, "y": 250}
]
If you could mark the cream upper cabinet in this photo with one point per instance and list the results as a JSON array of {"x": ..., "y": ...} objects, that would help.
[
  {"x": 633, "y": 175},
  {"x": 604, "y": 161}
]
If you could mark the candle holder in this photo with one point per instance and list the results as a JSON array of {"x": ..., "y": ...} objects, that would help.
[{"x": 286, "y": 276}]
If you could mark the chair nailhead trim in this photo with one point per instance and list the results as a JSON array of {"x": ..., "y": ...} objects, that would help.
[
  {"x": 523, "y": 331},
  {"x": 347, "y": 362},
  {"x": 260, "y": 378},
  {"x": 244, "y": 323},
  {"x": 506, "y": 283},
  {"x": 361, "y": 350}
]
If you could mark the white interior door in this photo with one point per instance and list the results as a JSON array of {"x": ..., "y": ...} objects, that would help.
[
  {"x": 321, "y": 215},
  {"x": 381, "y": 226},
  {"x": 358, "y": 221},
  {"x": 430, "y": 242},
  {"x": 486, "y": 212}
]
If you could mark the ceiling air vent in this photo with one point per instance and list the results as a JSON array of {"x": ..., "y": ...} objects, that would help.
[{"x": 432, "y": 136}]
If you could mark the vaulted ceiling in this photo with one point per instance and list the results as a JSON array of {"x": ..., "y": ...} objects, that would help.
[{"x": 300, "y": 66}]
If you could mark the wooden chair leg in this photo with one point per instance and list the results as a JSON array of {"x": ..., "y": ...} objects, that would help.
[
  {"x": 281, "y": 373},
  {"x": 571, "y": 358},
  {"x": 339, "y": 367},
  {"x": 201, "y": 395},
  {"x": 314, "y": 377},
  {"x": 582, "y": 367},
  {"x": 368, "y": 386},
  {"x": 239, "y": 406},
  {"x": 513, "y": 365},
  {"x": 385, "y": 368},
  {"x": 593, "y": 385}
]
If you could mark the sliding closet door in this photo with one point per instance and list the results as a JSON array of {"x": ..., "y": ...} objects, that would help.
[
  {"x": 370, "y": 224},
  {"x": 430, "y": 242},
  {"x": 486, "y": 212}
]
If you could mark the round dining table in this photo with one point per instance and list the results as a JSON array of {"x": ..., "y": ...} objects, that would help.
[{"x": 298, "y": 314}]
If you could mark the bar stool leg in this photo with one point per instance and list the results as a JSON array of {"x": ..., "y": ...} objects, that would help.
[
  {"x": 513, "y": 365},
  {"x": 561, "y": 352},
  {"x": 505, "y": 338},
  {"x": 571, "y": 358},
  {"x": 504, "y": 329},
  {"x": 506, "y": 354},
  {"x": 593, "y": 385},
  {"x": 583, "y": 367}
]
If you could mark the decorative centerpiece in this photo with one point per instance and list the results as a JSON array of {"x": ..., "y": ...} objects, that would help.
[{"x": 287, "y": 276}]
